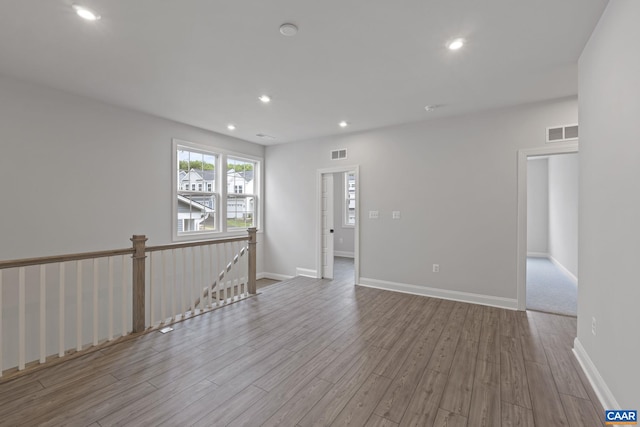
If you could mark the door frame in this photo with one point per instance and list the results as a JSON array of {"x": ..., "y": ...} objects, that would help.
[
  {"x": 521, "y": 261},
  {"x": 356, "y": 237}
]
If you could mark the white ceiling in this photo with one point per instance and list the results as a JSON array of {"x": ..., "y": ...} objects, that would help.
[{"x": 372, "y": 63}]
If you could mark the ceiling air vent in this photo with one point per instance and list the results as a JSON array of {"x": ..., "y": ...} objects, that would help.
[
  {"x": 339, "y": 154},
  {"x": 562, "y": 133}
]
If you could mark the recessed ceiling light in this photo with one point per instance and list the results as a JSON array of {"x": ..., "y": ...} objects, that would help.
[
  {"x": 456, "y": 44},
  {"x": 265, "y": 98},
  {"x": 343, "y": 124},
  {"x": 85, "y": 13},
  {"x": 288, "y": 30},
  {"x": 231, "y": 126}
]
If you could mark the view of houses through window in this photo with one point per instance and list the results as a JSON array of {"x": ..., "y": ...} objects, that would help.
[
  {"x": 198, "y": 192},
  {"x": 350, "y": 198}
]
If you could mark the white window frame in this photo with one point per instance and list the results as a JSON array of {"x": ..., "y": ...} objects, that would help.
[
  {"x": 244, "y": 194},
  {"x": 220, "y": 191},
  {"x": 345, "y": 201}
]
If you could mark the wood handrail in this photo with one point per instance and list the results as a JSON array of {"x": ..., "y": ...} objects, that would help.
[
  {"x": 198, "y": 243},
  {"x": 63, "y": 258}
]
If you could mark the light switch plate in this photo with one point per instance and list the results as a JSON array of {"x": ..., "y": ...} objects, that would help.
[
  {"x": 395, "y": 215},
  {"x": 373, "y": 214}
]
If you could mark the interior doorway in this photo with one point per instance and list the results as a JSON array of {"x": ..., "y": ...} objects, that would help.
[
  {"x": 338, "y": 228},
  {"x": 552, "y": 234},
  {"x": 522, "y": 217}
]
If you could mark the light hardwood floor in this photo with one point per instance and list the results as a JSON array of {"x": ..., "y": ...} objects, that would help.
[{"x": 309, "y": 352}]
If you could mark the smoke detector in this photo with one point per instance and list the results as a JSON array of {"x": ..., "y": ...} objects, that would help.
[{"x": 288, "y": 30}]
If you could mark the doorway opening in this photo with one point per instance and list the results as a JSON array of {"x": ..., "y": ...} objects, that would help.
[
  {"x": 338, "y": 228},
  {"x": 547, "y": 229},
  {"x": 552, "y": 234}
]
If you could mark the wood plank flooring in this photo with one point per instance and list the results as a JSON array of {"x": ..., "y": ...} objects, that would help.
[{"x": 308, "y": 352}]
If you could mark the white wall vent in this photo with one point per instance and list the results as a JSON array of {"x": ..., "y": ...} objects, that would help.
[
  {"x": 562, "y": 133},
  {"x": 339, "y": 154}
]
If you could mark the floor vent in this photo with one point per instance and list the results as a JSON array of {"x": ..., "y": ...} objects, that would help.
[
  {"x": 339, "y": 154},
  {"x": 562, "y": 133}
]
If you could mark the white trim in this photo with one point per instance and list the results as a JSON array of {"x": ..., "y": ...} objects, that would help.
[
  {"x": 500, "y": 302},
  {"x": 307, "y": 272},
  {"x": 221, "y": 180},
  {"x": 537, "y": 255},
  {"x": 601, "y": 389},
  {"x": 521, "y": 242},
  {"x": 564, "y": 269},
  {"x": 343, "y": 254},
  {"x": 272, "y": 276},
  {"x": 319, "y": 173}
]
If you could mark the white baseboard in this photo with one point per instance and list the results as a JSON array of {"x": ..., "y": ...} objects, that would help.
[
  {"x": 273, "y": 276},
  {"x": 538, "y": 254},
  {"x": 344, "y": 254},
  {"x": 508, "y": 303},
  {"x": 563, "y": 268},
  {"x": 306, "y": 272},
  {"x": 601, "y": 389}
]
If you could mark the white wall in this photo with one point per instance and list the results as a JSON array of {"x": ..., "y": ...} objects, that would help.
[
  {"x": 563, "y": 211},
  {"x": 344, "y": 236},
  {"x": 78, "y": 175},
  {"x": 609, "y": 201},
  {"x": 459, "y": 211},
  {"x": 538, "y": 206}
]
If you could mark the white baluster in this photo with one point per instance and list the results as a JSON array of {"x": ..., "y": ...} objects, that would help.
[
  {"x": 110, "y": 312},
  {"x": 184, "y": 282},
  {"x": 217, "y": 276},
  {"x": 61, "y": 346},
  {"x": 151, "y": 309},
  {"x": 21, "y": 318},
  {"x": 194, "y": 280},
  {"x": 163, "y": 261},
  {"x": 211, "y": 276},
  {"x": 79, "y": 305},
  {"x": 202, "y": 281},
  {"x": 174, "y": 286},
  {"x": 124, "y": 296},
  {"x": 43, "y": 316},
  {"x": 95, "y": 301},
  {"x": 1, "y": 347}
]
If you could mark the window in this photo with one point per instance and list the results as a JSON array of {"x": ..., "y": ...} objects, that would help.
[
  {"x": 200, "y": 204},
  {"x": 349, "y": 208},
  {"x": 195, "y": 209},
  {"x": 241, "y": 189}
]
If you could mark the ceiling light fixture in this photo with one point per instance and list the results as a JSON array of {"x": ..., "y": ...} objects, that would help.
[
  {"x": 288, "y": 30},
  {"x": 265, "y": 98},
  {"x": 456, "y": 44},
  {"x": 85, "y": 13},
  {"x": 343, "y": 124},
  {"x": 231, "y": 126}
]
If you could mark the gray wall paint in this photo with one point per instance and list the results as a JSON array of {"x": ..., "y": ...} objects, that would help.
[
  {"x": 538, "y": 206},
  {"x": 344, "y": 236},
  {"x": 563, "y": 210},
  {"x": 94, "y": 174},
  {"x": 454, "y": 181},
  {"x": 609, "y": 200}
]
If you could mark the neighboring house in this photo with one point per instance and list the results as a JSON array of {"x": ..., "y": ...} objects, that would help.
[
  {"x": 194, "y": 216},
  {"x": 238, "y": 207}
]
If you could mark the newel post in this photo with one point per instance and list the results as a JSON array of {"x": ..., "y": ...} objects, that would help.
[
  {"x": 252, "y": 260},
  {"x": 138, "y": 282}
]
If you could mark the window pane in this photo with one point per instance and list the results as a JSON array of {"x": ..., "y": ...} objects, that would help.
[
  {"x": 196, "y": 213},
  {"x": 350, "y": 198},
  {"x": 240, "y": 176},
  {"x": 240, "y": 211},
  {"x": 195, "y": 170}
]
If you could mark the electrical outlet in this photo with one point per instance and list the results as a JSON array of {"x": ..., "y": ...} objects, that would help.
[
  {"x": 593, "y": 326},
  {"x": 436, "y": 268},
  {"x": 395, "y": 215},
  {"x": 373, "y": 214}
]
